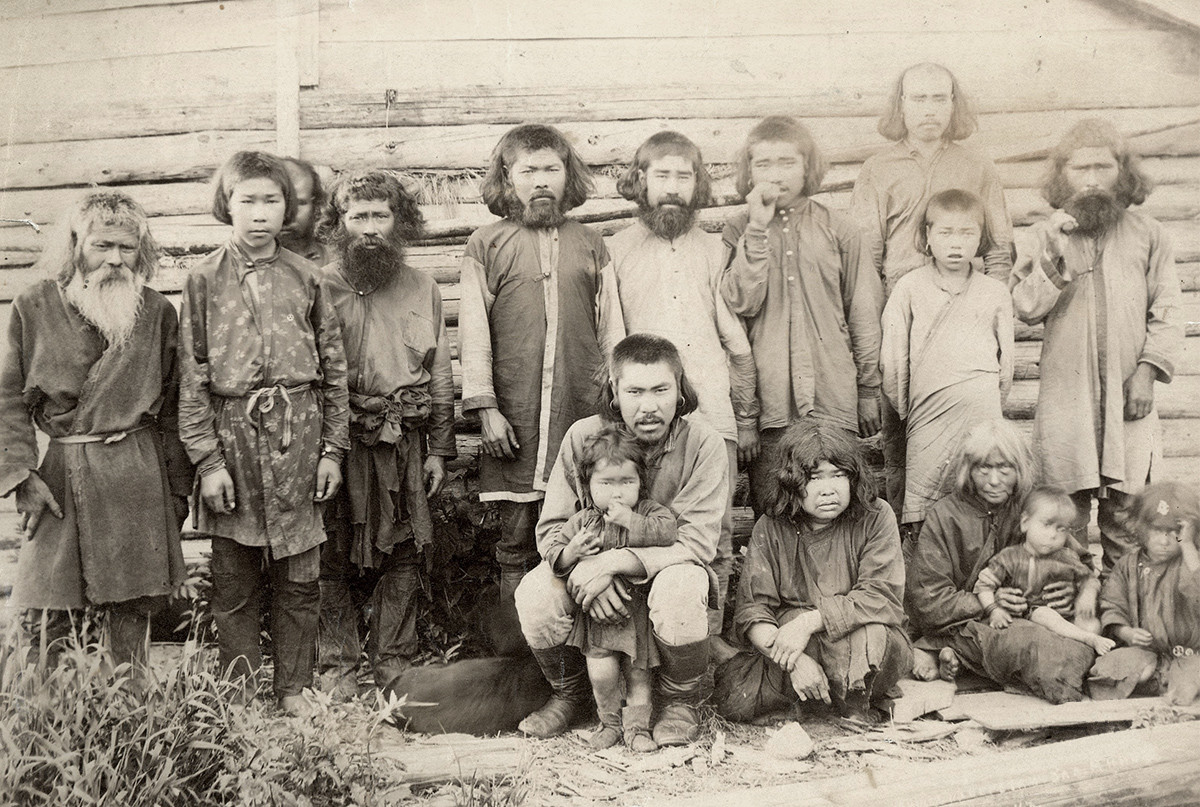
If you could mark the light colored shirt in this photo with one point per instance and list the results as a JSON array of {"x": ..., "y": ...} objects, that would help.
[
  {"x": 889, "y": 200},
  {"x": 673, "y": 289}
]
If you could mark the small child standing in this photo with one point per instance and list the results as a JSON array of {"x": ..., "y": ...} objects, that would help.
[
  {"x": 947, "y": 346},
  {"x": 263, "y": 413},
  {"x": 1048, "y": 555},
  {"x": 1151, "y": 602},
  {"x": 613, "y": 472}
]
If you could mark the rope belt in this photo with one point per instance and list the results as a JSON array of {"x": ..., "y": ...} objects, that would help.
[
  {"x": 263, "y": 400},
  {"x": 111, "y": 437}
]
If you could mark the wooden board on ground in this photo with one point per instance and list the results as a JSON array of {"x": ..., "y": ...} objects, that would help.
[
  {"x": 1134, "y": 767},
  {"x": 450, "y": 757},
  {"x": 1008, "y": 711},
  {"x": 921, "y": 698}
]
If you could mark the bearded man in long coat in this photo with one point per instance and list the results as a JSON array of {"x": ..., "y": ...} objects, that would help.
[{"x": 91, "y": 363}]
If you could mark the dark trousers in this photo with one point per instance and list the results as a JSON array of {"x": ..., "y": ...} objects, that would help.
[
  {"x": 1114, "y": 538},
  {"x": 761, "y": 472},
  {"x": 387, "y": 597},
  {"x": 127, "y": 627},
  {"x": 893, "y": 440},
  {"x": 239, "y": 575},
  {"x": 516, "y": 548}
]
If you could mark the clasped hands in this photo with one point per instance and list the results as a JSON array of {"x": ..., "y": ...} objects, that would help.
[
  {"x": 598, "y": 591},
  {"x": 785, "y": 646}
]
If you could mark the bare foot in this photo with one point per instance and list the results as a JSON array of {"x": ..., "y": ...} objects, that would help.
[
  {"x": 948, "y": 665},
  {"x": 925, "y": 667},
  {"x": 1102, "y": 644}
]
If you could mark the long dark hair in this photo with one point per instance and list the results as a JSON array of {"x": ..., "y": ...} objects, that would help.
[
  {"x": 496, "y": 188},
  {"x": 644, "y": 348},
  {"x": 803, "y": 447},
  {"x": 1133, "y": 186}
]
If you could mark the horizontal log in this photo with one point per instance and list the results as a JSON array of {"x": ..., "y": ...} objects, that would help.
[
  {"x": 64, "y": 38},
  {"x": 1177, "y": 400},
  {"x": 1010, "y": 136},
  {"x": 379, "y": 20},
  {"x": 43, "y": 8},
  {"x": 1021, "y": 68},
  {"x": 196, "y": 155},
  {"x": 1121, "y": 769}
]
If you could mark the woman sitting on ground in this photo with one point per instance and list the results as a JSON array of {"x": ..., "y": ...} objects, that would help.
[{"x": 991, "y": 474}]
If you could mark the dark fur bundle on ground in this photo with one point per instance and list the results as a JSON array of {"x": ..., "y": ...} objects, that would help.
[{"x": 482, "y": 695}]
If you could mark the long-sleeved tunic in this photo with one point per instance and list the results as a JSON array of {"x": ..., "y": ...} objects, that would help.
[
  {"x": 892, "y": 190},
  {"x": 539, "y": 315},
  {"x": 851, "y": 572},
  {"x": 689, "y": 475},
  {"x": 119, "y": 539},
  {"x": 1120, "y": 309},
  {"x": 264, "y": 390},
  {"x": 399, "y": 377},
  {"x": 1162, "y": 598},
  {"x": 813, "y": 304},
  {"x": 673, "y": 289},
  {"x": 947, "y": 363}
]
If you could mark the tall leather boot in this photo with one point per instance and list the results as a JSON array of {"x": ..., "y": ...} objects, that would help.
[
  {"x": 678, "y": 685},
  {"x": 565, "y": 669},
  {"x": 504, "y": 626}
]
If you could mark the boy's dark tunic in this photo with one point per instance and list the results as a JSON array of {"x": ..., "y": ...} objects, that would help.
[{"x": 114, "y": 460}]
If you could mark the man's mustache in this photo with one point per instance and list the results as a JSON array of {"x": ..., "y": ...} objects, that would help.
[{"x": 672, "y": 199}]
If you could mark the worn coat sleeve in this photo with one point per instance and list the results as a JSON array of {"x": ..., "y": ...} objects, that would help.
[
  {"x": 18, "y": 439},
  {"x": 1118, "y": 596},
  {"x": 1037, "y": 282},
  {"x": 699, "y": 506},
  {"x": 743, "y": 376},
  {"x": 1006, "y": 339},
  {"x": 610, "y": 322},
  {"x": 744, "y": 284},
  {"x": 1164, "y": 322},
  {"x": 335, "y": 396},
  {"x": 562, "y": 501},
  {"x": 878, "y": 592},
  {"x": 869, "y": 212},
  {"x": 179, "y": 468},
  {"x": 937, "y": 601},
  {"x": 441, "y": 388},
  {"x": 862, "y": 299},
  {"x": 758, "y": 597},
  {"x": 894, "y": 355},
  {"x": 197, "y": 422},
  {"x": 998, "y": 261},
  {"x": 475, "y": 335},
  {"x": 654, "y": 526}
]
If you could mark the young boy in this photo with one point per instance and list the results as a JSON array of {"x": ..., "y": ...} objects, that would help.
[
  {"x": 300, "y": 234},
  {"x": 263, "y": 412},
  {"x": 808, "y": 292}
]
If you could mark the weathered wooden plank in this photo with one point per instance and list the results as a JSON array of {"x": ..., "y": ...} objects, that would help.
[
  {"x": 380, "y": 20},
  {"x": 450, "y": 757},
  {"x": 1007, "y": 711},
  {"x": 119, "y": 33},
  {"x": 136, "y": 97},
  {"x": 43, "y": 8},
  {"x": 1022, "y": 68},
  {"x": 1179, "y": 399},
  {"x": 613, "y": 142},
  {"x": 1126, "y": 768},
  {"x": 1182, "y": 13}
]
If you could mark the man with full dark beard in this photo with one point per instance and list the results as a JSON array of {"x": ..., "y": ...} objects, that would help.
[
  {"x": 91, "y": 362},
  {"x": 668, "y": 280},
  {"x": 1103, "y": 279},
  {"x": 401, "y": 394},
  {"x": 539, "y": 314}
]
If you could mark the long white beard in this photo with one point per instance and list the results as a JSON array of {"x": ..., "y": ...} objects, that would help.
[{"x": 111, "y": 305}]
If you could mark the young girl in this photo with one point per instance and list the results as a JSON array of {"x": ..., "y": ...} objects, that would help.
[
  {"x": 613, "y": 472},
  {"x": 1047, "y": 555},
  {"x": 947, "y": 346},
  {"x": 1151, "y": 602},
  {"x": 809, "y": 294},
  {"x": 263, "y": 412},
  {"x": 820, "y": 593}
]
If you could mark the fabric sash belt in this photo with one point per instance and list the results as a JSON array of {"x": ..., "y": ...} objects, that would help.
[
  {"x": 263, "y": 399},
  {"x": 110, "y": 437}
]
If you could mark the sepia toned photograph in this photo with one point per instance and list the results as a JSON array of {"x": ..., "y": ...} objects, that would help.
[{"x": 514, "y": 402}]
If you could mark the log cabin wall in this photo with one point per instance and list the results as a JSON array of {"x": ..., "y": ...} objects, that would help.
[{"x": 153, "y": 94}]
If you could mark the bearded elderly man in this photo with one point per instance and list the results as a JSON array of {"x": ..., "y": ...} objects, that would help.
[
  {"x": 669, "y": 284},
  {"x": 401, "y": 397},
  {"x": 1103, "y": 280},
  {"x": 91, "y": 362}
]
